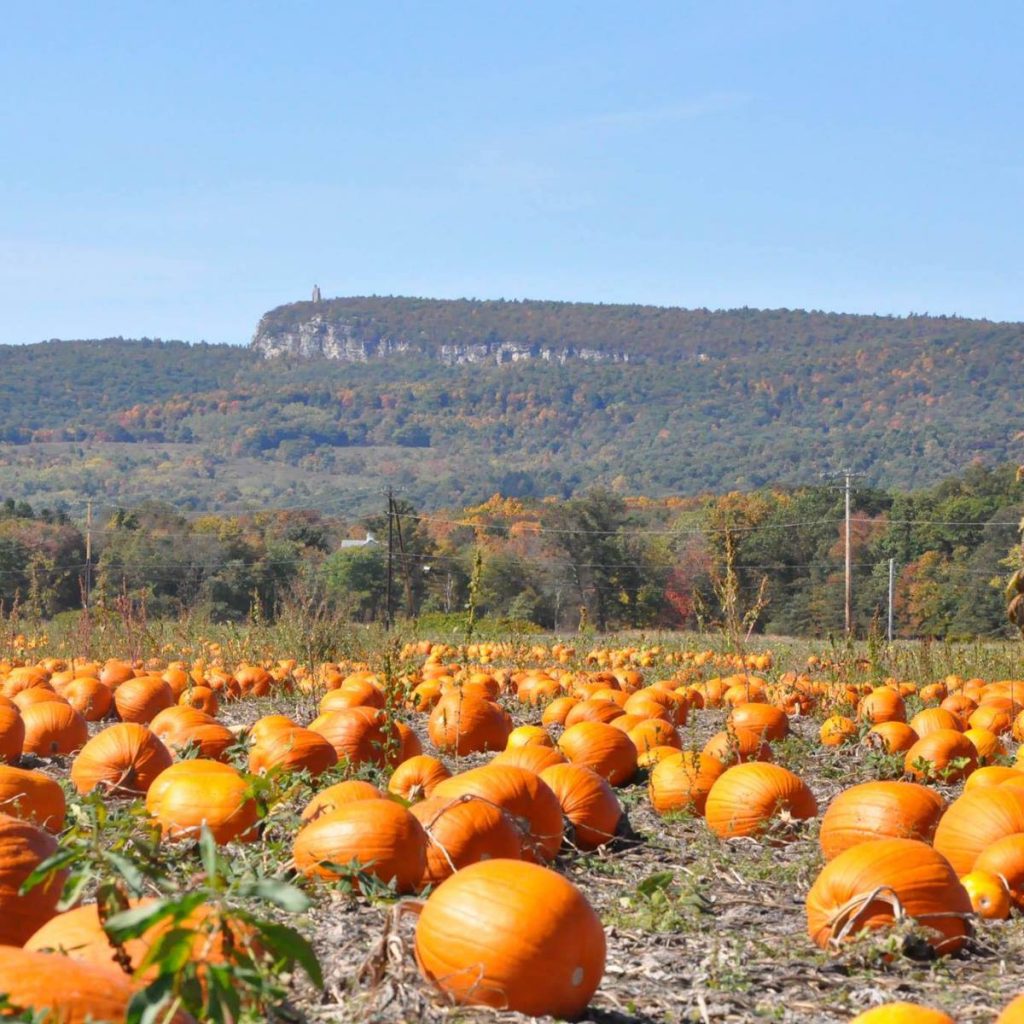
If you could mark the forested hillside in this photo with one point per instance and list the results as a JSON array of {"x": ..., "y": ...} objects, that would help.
[{"x": 697, "y": 401}]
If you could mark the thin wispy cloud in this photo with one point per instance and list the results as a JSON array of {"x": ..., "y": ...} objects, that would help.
[{"x": 689, "y": 110}]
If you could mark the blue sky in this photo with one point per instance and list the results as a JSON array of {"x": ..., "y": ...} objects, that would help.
[{"x": 175, "y": 170}]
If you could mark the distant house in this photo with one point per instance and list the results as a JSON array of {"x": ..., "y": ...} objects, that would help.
[{"x": 368, "y": 541}]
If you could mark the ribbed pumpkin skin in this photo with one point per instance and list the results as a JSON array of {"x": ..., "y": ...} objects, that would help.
[
  {"x": 23, "y": 847},
  {"x": 32, "y": 796},
  {"x": 53, "y": 728},
  {"x": 587, "y": 800},
  {"x": 902, "y": 1013},
  {"x": 651, "y": 733},
  {"x": 593, "y": 709},
  {"x": 140, "y": 700},
  {"x": 879, "y": 810},
  {"x": 89, "y": 697},
  {"x": 765, "y": 721},
  {"x": 12, "y": 734},
  {"x": 125, "y": 758},
  {"x": 194, "y": 793},
  {"x": 733, "y": 748},
  {"x": 462, "y": 832},
  {"x": 359, "y": 735},
  {"x": 975, "y": 821},
  {"x": 893, "y": 737},
  {"x": 1005, "y": 857},
  {"x": 922, "y": 879},
  {"x": 415, "y": 778},
  {"x": 73, "y": 992},
  {"x": 382, "y": 836},
  {"x": 939, "y": 749},
  {"x": 601, "y": 747},
  {"x": 924, "y": 723},
  {"x": 331, "y": 798},
  {"x": 467, "y": 725},
  {"x": 682, "y": 782},
  {"x": 882, "y": 705},
  {"x": 293, "y": 750},
  {"x": 746, "y": 798},
  {"x": 533, "y": 759},
  {"x": 514, "y": 936},
  {"x": 522, "y": 794},
  {"x": 992, "y": 775}
]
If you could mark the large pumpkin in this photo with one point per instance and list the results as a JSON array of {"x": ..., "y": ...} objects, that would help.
[
  {"x": 514, "y": 936},
  {"x": 463, "y": 831},
  {"x": 597, "y": 745},
  {"x": 871, "y": 885},
  {"x": 141, "y": 699},
  {"x": 291, "y": 750},
  {"x": 191, "y": 794},
  {"x": 23, "y": 847},
  {"x": 587, "y": 800},
  {"x": 747, "y": 798},
  {"x": 72, "y": 992},
  {"x": 522, "y": 794},
  {"x": 32, "y": 796},
  {"x": 331, "y": 798},
  {"x": 359, "y": 735},
  {"x": 944, "y": 754},
  {"x": 879, "y": 810},
  {"x": 533, "y": 759},
  {"x": 416, "y": 777},
  {"x": 975, "y": 821},
  {"x": 765, "y": 721},
  {"x": 379, "y": 835},
  {"x": 53, "y": 728},
  {"x": 12, "y": 734},
  {"x": 124, "y": 758},
  {"x": 681, "y": 782},
  {"x": 467, "y": 725}
]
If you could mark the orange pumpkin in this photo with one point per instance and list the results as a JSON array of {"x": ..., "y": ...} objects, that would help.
[
  {"x": 870, "y": 885},
  {"x": 23, "y": 847},
  {"x": 746, "y": 799},
  {"x": 52, "y": 729},
  {"x": 12, "y": 734},
  {"x": 533, "y": 759},
  {"x": 682, "y": 782},
  {"x": 84, "y": 992},
  {"x": 140, "y": 699},
  {"x": 765, "y": 721},
  {"x": 587, "y": 800},
  {"x": 883, "y": 704},
  {"x": 924, "y": 723},
  {"x": 892, "y": 737},
  {"x": 522, "y": 794},
  {"x": 359, "y": 735},
  {"x": 837, "y": 730},
  {"x": 467, "y": 725},
  {"x": 331, "y": 798},
  {"x": 902, "y": 1013},
  {"x": 124, "y": 759},
  {"x": 1005, "y": 858},
  {"x": 941, "y": 754},
  {"x": 597, "y": 745},
  {"x": 989, "y": 894},
  {"x": 879, "y": 810},
  {"x": 384, "y": 839},
  {"x": 416, "y": 777},
  {"x": 975, "y": 821},
  {"x": 89, "y": 697},
  {"x": 473, "y": 920},
  {"x": 202, "y": 698},
  {"x": 463, "y": 831},
  {"x": 32, "y": 796},
  {"x": 293, "y": 750},
  {"x": 190, "y": 794}
]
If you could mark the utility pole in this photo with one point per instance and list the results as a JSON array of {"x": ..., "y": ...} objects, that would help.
[
  {"x": 88, "y": 554},
  {"x": 849, "y": 561},
  {"x": 848, "y": 475},
  {"x": 892, "y": 587},
  {"x": 389, "y": 614}
]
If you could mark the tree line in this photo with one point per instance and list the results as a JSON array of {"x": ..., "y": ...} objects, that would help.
[{"x": 768, "y": 560}]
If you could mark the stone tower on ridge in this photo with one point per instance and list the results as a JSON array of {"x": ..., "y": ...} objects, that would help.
[{"x": 316, "y": 293}]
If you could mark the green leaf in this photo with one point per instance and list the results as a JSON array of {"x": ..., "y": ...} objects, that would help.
[
  {"x": 288, "y": 943},
  {"x": 148, "y": 1004},
  {"x": 661, "y": 880},
  {"x": 129, "y": 871},
  {"x": 74, "y": 887},
  {"x": 208, "y": 853},
  {"x": 281, "y": 894},
  {"x": 130, "y": 924}
]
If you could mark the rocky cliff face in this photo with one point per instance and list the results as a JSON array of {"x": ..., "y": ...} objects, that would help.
[{"x": 324, "y": 337}]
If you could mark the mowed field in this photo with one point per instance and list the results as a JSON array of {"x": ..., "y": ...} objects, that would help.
[{"x": 691, "y": 788}]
